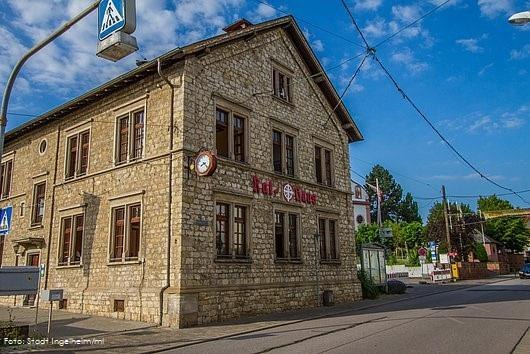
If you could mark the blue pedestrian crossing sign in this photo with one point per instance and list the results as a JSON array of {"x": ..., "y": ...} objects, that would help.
[
  {"x": 5, "y": 220},
  {"x": 114, "y": 16}
]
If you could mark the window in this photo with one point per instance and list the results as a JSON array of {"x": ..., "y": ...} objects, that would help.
[
  {"x": 130, "y": 136},
  {"x": 231, "y": 135},
  {"x": 39, "y": 192},
  {"x": 231, "y": 230},
  {"x": 77, "y": 154},
  {"x": 6, "y": 174},
  {"x": 327, "y": 231},
  {"x": 286, "y": 236},
  {"x": 126, "y": 233},
  {"x": 323, "y": 166},
  {"x": 282, "y": 85},
  {"x": 71, "y": 244},
  {"x": 119, "y": 305},
  {"x": 283, "y": 152}
]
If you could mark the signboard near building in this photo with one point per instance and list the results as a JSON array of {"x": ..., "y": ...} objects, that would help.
[
  {"x": 5, "y": 220},
  {"x": 19, "y": 280}
]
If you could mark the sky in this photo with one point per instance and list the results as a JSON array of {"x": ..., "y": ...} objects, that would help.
[{"x": 463, "y": 65}]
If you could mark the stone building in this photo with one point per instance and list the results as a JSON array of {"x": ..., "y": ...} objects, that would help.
[{"x": 103, "y": 194}]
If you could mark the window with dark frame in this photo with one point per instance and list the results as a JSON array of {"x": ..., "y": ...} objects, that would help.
[
  {"x": 231, "y": 230},
  {"x": 231, "y": 134},
  {"x": 281, "y": 85},
  {"x": 130, "y": 136},
  {"x": 77, "y": 157},
  {"x": 39, "y": 193},
  {"x": 286, "y": 236},
  {"x": 277, "y": 150},
  {"x": 119, "y": 305},
  {"x": 283, "y": 152},
  {"x": 6, "y": 174},
  {"x": 71, "y": 244},
  {"x": 323, "y": 166},
  {"x": 327, "y": 230},
  {"x": 126, "y": 233}
]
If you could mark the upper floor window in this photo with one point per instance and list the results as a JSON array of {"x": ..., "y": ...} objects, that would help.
[
  {"x": 283, "y": 152},
  {"x": 71, "y": 240},
  {"x": 130, "y": 136},
  {"x": 286, "y": 236},
  {"x": 323, "y": 166},
  {"x": 126, "y": 233},
  {"x": 231, "y": 134},
  {"x": 231, "y": 230},
  {"x": 281, "y": 84},
  {"x": 6, "y": 174},
  {"x": 327, "y": 231},
  {"x": 39, "y": 194},
  {"x": 77, "y": 146}
]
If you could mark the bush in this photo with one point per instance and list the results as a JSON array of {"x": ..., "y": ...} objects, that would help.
[
  {"x": 370, "y": 290},
  {"x": 392, "y": 260},
  {"x": 480, "y": 252},
  {"x": 414, "y": 259},
  {"x": 396, "y": 287}
]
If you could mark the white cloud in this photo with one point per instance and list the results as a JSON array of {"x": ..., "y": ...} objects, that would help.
[
  {"x": 262, "y": 12},
  {"x": 494, "y": 8},
  {"x": 523, "y": 53},
  {"x": 470, "y": 44},
  {"x": 370, "y": 5},
  {"x": 406, "y": 13},
  {"x": 471, "y": 176},
  {"x": 478, "y": 122},
  {"x": 375, "y": 28},
  {"x": 316, "y": 44},
  {"x": 484, "y": 69},
  {"x": 406, "y": 58}
]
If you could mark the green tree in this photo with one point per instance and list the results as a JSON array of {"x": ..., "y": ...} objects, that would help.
[
  {"x": 463, "y": 227},
  {"x": 510, "y": 231},
  {"x": 408, "y": 210},
  {"x": 367, "y": 233},
  {"x": 391, "y": 193},
  {"x": 413, "y": 234},
  {"x": 480, "y": 252}
]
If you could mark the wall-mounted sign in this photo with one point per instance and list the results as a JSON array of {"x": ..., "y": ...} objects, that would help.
[
  {"x": 5, "y": 220},
  {"x": 290, "y": 193}
]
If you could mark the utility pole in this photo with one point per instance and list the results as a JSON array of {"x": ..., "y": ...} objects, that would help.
[
  {"x": 446, "y": 217},
  {"x": 378, "y": 192}
]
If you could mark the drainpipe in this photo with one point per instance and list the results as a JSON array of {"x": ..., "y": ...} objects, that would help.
[
  {"x": 52, "y": 208},
  {"x": 170, "y": 188}
]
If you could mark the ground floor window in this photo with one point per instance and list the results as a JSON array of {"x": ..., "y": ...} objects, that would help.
[
  {"x": 231, "y": 230},
  {"x": 71, "y": 240},
  {"x": 126, "y": 233},
  {"x": 286, "y": 236},
  {"x": 329, "y": 245}
]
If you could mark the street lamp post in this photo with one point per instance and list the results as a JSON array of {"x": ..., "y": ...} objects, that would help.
[
  {"x": 9, "y": 86},
  {"x": 520, "y": 18}
]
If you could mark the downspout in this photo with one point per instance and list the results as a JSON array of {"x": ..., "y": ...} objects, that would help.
[
  {"x": 170, "y": 189},
  {"x": 52, "y": 208}
]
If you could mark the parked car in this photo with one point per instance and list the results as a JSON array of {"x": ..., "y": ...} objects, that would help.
[{"x": 525, "y": 271}]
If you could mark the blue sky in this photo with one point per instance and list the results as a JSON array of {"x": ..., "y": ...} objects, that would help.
[{"x": 464, "y": 65}]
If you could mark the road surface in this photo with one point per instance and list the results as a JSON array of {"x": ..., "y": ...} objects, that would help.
[{"x": 485, "y": 319}]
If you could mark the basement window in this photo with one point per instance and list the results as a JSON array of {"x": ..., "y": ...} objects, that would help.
[{"x": 119, "y": 305}]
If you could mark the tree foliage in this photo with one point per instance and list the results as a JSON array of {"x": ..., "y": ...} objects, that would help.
[
  {"x": 367, "y": 233},
  {"x": 394, "y": 206},
  {"x": 480, "y": 252},
  {"x": 463, "y": 227},
  {"x": 510, "y": 231}
]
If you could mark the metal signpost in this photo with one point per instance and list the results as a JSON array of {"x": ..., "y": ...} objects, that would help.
[{"x": 51, "y": 296}]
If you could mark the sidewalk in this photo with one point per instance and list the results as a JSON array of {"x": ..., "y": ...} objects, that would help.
[{"x": 137, "y": 337}]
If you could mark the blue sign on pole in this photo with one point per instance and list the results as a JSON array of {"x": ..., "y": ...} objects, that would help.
[
  {"x": 111, "y": 17},
  {"x": 5, "y": 220}
]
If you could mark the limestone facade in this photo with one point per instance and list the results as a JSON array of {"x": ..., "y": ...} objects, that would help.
[{"x": 172, "y": 268}]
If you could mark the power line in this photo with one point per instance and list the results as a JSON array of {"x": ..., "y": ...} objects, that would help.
[
  {"x": 466, "y": 161},
  {"x": 311, "y": 24},
  {"x": 346, "y": 90},
  {"x": 355, "y": 24},
  {"x": 412, "y": 23}
]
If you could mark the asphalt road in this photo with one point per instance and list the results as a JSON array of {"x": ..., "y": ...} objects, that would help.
[{"x": 484, "y": 319}]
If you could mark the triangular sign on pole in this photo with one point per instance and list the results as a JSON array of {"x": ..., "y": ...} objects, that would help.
[
  {"x": 4, "y": 224},
  {"x": 111, "y": 17}
]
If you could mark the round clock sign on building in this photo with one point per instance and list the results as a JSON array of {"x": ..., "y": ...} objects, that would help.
[{"x": 205, "y": 163}]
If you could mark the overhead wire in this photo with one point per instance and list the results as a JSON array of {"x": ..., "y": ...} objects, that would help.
[{"x": 372, "y": 53}]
